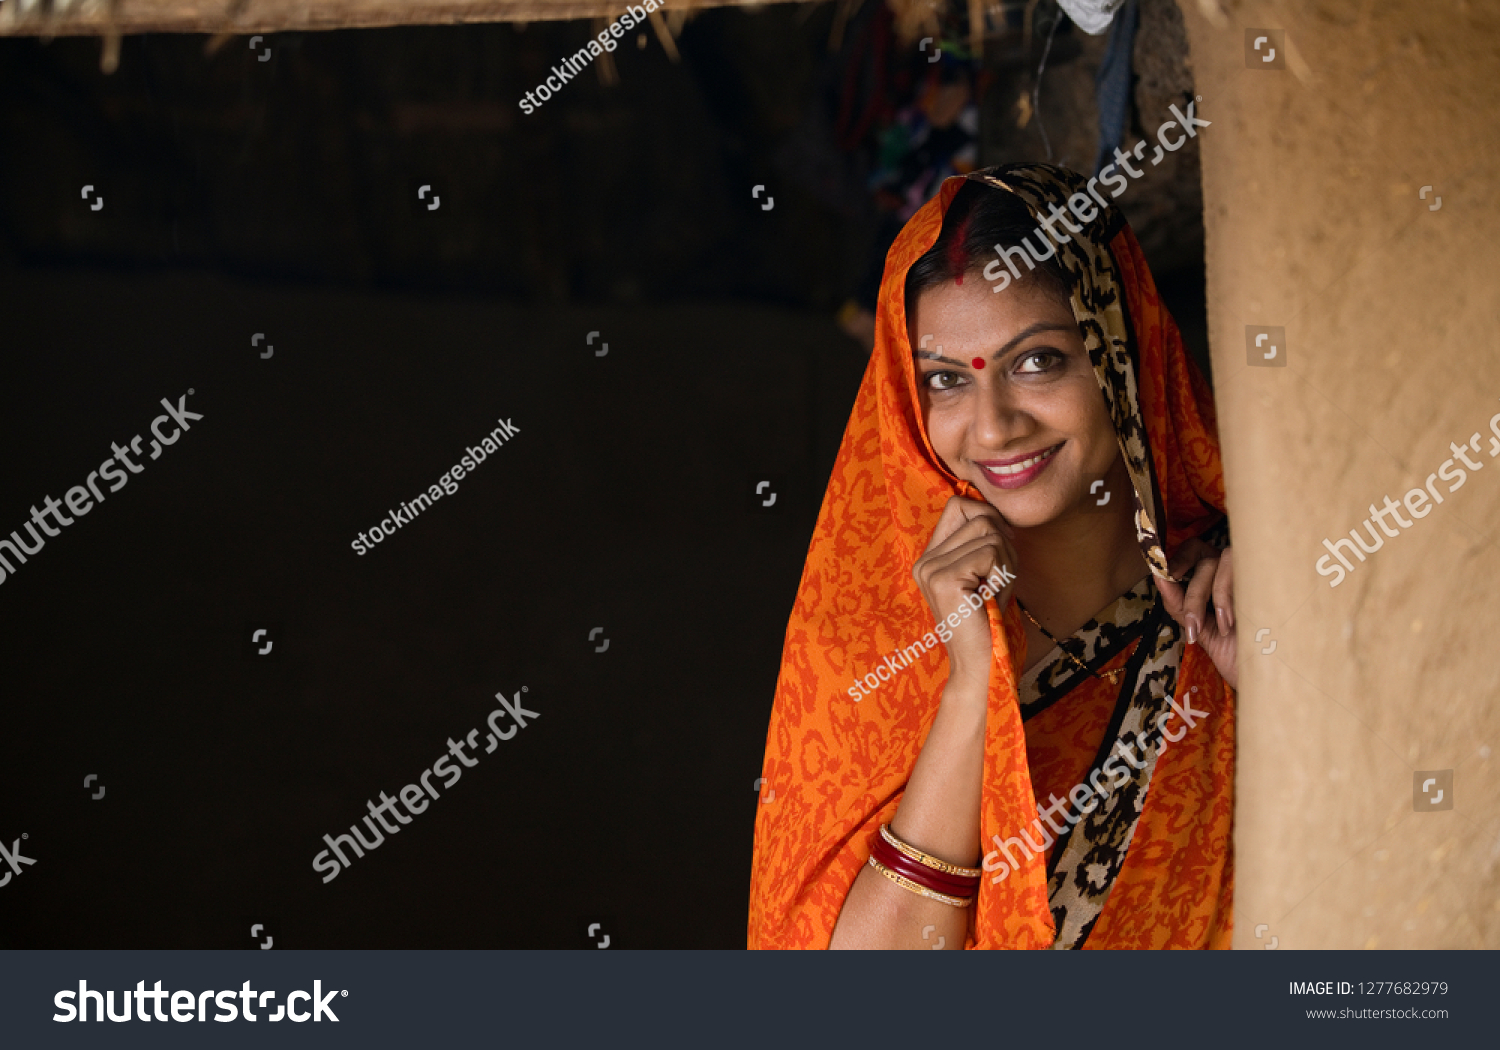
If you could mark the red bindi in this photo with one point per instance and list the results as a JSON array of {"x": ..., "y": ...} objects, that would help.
[{"x": 978, "y": 362}]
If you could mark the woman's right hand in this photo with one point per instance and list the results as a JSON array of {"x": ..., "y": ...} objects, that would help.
[
  {"x": 970, "y": 547},
  {"x": 939, "y": 809}
]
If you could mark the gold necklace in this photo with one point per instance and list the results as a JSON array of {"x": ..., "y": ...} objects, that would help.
[{"x": 1112, "y": 676}]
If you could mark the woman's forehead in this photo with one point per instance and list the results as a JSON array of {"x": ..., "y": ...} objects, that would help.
[{"x": 974, "y": 305}]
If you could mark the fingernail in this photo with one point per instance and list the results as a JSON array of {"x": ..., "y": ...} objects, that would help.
[
  {"x": 1223, "y": 617},
  {"x": 1192, "y": 629},
  {"x": 1229, "y": 615}
]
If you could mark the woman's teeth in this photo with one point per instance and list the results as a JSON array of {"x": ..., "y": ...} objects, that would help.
[{"x": 1026, "y": 464}]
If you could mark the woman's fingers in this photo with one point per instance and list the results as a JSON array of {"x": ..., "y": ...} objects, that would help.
[
  {"x": 959, "y": 514},
  {"x": 1195, "y": 603},
  {"x": 967, "y": 565},
  {"x": 949, "y": 522},
  {"x": 970, "y": 564},
  {"x": 1190, "y": 553},
  {"x": 1224, "y": 592},
  {"x": 1171, "y": 597},
  {"x": 963, "y": 531},
  {"x": 1212, "y": 573},
  {"x": 1177, "y": 599}
]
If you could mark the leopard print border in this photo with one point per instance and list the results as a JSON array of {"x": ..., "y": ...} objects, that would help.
[
  {"x": 1083, "y": 870},
  {"x": 1094, "y": 644}
]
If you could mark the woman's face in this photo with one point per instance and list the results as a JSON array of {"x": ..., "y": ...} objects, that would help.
[{"x": 1010, "y": 398}]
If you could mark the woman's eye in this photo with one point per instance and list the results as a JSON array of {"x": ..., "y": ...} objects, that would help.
[
  {"x": 1039, "y": 361},
  {"x": 941, "y": 380}
]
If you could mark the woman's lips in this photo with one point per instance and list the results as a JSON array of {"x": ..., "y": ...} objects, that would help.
[{"x": 1018, "y": 470}]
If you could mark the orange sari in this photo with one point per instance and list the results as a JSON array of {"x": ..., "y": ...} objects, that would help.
[{"x": 838, "y": 766}]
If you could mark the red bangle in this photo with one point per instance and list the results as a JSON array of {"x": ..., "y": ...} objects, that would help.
[
  {"x": 926, "y": 858},
  {"x": 882, "y": 847},
  {"x": 912, "y": 887},
  {"x": 921, "y": 874}
]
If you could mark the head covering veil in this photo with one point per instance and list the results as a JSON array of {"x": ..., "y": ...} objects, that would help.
[{"x": 836, "y": 763}]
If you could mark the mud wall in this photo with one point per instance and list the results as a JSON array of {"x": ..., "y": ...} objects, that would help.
[{"x": 1349, "y": 209}]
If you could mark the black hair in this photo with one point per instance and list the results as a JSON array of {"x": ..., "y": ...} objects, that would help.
[{"x": 981, "y": 219}]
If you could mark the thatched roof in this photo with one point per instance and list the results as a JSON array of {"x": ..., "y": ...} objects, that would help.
[
  {"x": 225, "y": 19},
  {"x": 109, "y": 17}
]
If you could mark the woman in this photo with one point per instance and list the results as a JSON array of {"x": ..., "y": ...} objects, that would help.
[{"x": 1061, "y": 773}]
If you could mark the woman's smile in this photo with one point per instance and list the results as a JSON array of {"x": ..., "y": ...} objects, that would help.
[{"x": 1019, "y": 470}]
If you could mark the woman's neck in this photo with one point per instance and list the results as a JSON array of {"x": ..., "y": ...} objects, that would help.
[{"x": 1073, "y": 566}]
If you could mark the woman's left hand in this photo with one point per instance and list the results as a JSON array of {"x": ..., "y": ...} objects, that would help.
[{"x": 1212, "y": 573}]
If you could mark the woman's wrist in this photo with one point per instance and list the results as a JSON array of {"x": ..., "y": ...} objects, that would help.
[{"x": 968, "y": 686}]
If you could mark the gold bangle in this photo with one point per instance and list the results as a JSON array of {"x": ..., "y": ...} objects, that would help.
[
  {"x": 927, "y": 859},
  {"x": 921, "y": 891}
]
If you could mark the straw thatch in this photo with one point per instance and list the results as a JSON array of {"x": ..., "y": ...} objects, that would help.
[
  {"x": 914, "y": 18},
  {"x": 225, "y": 19},
  {"x": 107, "y": 17}
]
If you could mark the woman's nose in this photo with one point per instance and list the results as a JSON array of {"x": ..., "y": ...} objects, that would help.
[{"x": 996, "y": 418}]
